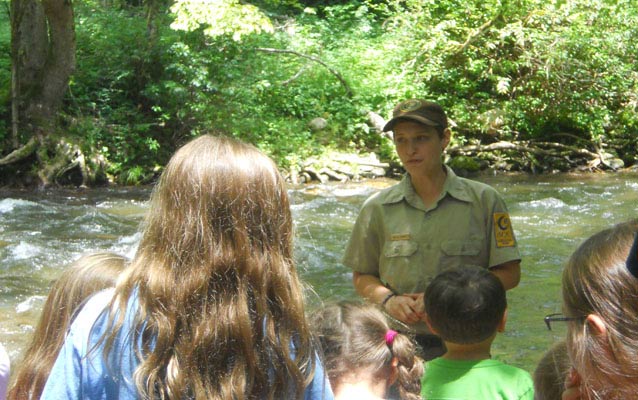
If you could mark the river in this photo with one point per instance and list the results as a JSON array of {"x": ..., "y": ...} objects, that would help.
[{"x": 42, "y": 232}]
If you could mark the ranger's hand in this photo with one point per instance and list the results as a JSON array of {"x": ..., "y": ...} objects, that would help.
[
  {"x": 405, "y": 308},
  {"x": 420, "y": 306}
]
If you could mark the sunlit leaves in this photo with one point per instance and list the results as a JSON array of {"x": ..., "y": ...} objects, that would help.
[
  {"x": 503, "y": 85},
  {"x": 220, "y": 17}
]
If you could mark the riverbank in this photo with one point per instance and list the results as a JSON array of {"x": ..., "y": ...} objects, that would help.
[
  {"x": 332, "y": 165},
  {"x": 350, "y": 167}
]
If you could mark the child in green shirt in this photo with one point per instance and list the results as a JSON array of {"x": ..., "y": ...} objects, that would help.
[{"x": 466, "y": 307}]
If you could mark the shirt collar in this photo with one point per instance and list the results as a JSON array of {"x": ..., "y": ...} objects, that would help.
[{"x": 453, "y": 186}]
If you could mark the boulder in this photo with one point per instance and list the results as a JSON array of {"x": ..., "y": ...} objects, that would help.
[{"x": 318, "y": 124}]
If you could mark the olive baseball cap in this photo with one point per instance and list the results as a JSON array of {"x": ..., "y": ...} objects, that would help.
[{"x": 418, "y": 110}]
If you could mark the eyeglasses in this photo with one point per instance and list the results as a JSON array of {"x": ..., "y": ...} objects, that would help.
[{"x": 560, "y": 317}]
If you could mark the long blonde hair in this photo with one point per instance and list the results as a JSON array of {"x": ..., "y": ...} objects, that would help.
[
  {"x": 596, "y": 281},
  {"x": 84, "y": 277},
  {"x": 353, "y": 338},
  {"x": 221, "y": 311}
]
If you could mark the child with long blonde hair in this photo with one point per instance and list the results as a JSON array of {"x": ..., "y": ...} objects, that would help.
[
  {"x": 86, "y": 276},
  {"x": 211, "y": 307}
]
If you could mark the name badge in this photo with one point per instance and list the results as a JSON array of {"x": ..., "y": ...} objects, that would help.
[{"x": 400, "y": 236}]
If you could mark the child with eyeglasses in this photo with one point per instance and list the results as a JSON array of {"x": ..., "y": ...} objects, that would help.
[
  {"x": 466, "y": 307},
  {"x": 600, "y": 291}
]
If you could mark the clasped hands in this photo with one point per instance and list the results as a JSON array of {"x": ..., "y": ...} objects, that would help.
[{"x": 407, "y": 308}]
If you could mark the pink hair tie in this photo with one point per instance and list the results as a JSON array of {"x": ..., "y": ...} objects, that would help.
[{"x": 389, "y": 337}]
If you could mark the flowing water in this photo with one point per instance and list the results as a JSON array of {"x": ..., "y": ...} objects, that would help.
[{"x": 42, "y": 232}]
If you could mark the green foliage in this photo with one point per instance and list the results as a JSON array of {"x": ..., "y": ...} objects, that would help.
[
  {"x": 545, "y": 67},
  {"x": 261, "y": 71}
]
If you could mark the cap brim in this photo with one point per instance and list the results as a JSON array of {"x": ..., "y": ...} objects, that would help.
[{"x": 417, "y": 118}]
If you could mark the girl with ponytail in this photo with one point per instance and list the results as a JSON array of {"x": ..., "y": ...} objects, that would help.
[{"x": 363, "y": 356}]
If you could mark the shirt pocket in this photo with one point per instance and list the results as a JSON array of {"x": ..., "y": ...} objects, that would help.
[
  {"x": 460, "y": 253},
  {"x": 400, "y": 248},
  {"x": 461, "y": 248}
]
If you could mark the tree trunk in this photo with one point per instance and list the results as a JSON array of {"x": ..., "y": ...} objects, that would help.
[
  {"x": 28, "y": 55},
  {"x": 43, "y": 57}
]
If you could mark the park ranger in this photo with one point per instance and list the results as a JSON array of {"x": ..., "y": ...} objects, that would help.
[{"x": 430, "y": 221}]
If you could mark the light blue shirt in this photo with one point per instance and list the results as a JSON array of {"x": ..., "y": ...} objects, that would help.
[
  {"x": 5, "y": 369},
  {"x": 82, "y": 374}
]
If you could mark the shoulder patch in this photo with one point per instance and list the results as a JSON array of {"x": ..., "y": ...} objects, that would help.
[{"x": 503, "y": 232}]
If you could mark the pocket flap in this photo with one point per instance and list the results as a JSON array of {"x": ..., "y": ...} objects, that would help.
[
  {"x": 400, "y": 248},
  {"x": 461, "y": 247}
]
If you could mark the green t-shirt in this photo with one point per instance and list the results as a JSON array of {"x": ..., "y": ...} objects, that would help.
[{"x": 475, "y": 380}]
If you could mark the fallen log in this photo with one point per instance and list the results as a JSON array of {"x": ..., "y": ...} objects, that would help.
[{"x": 538, "y": 148}]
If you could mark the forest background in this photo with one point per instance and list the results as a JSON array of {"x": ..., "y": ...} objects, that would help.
[{"x": 117, "y": 85}]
